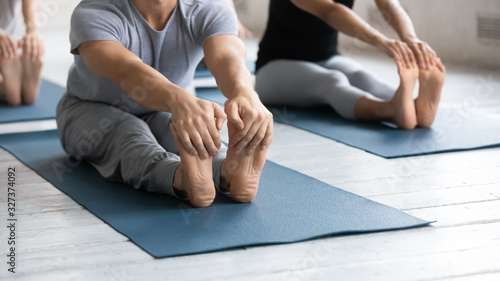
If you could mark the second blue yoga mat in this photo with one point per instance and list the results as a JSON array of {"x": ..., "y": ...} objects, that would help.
[
  {"x": 289, "y": 207},
  {"x": 43, "y": 108},
  {"x": 452, "y": 130}
]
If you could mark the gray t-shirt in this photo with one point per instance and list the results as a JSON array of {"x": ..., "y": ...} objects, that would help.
[
  {"x": 11, "y": 18},
  {"x": 174, "y": 51}
]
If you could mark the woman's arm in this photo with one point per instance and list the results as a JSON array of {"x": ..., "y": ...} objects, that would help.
[
  {"x": 397, "y": 17},
  {"x": 346, "y": 21},
  {"x": 32, "y": 42}
]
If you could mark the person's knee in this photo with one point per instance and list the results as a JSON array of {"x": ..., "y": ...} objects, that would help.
[{"x": 332, "y": 80}]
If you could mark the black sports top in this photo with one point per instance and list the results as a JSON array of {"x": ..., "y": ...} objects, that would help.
[{"x": 297, "y": 35}]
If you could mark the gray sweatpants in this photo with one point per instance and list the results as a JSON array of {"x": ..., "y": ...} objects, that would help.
[
  {"x": 137, "y": 150},
  {"x": 338, "y": 82}
]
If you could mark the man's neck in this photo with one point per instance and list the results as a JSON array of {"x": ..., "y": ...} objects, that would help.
[{"x": 156, "y": 12}]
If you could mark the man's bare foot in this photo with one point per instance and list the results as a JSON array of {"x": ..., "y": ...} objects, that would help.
[
  {"x": 242, "y": 171},
  {"x": 12, "y": 77},
  {"x": 404, "y": 115},
  {"x": 32, "y": 70},
  {"x": 194, "y": 176},
  {"x": 431, "y": 82}
]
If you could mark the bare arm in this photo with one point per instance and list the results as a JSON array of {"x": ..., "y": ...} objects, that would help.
[
  {"x": 225, "y": 57},
  {"x": 397, "y": 17},
  {"x": 30, "y": 9},
  {"x": 346, "y": 21},
  {"x": 193, "y": 118},
  {"x": 32, "y": 42}
]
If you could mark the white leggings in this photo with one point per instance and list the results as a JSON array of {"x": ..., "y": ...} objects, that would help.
[{"x": 337, "y": 81}]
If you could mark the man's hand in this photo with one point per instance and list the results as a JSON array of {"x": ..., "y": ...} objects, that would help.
[
  {"x": 8, "y": 47},
  {"x": 426, "y": 57},
  {"x": 252, "y": 120},
  {"x": 398, "y": 50},
  {"x": 32, "y": 45},
  {"x": 198, "y": 123}
]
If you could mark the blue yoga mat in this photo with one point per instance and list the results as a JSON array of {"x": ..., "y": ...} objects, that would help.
[
  {"x": 289, "y": 207},
  {"x": 44, "y": 107},
  {"x": 452, "y": 130},
  {"x": 203, "y": 72}
]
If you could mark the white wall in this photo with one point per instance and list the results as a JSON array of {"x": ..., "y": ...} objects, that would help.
[
  {"x": 449, "y": 26},
  {"x": 56, "y": 14}
]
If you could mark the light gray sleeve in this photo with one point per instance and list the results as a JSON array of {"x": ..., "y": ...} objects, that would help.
[
  {"x": 214, "y": 18},
  {"x": 95, "y": 21}
]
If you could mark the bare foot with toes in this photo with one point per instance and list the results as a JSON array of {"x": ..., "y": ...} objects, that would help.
[
  {"x": 242, "y": 171},
  {"x": 431, "y": 82},
  {"x": 194, "y": 176},
  {"x": 404, "y": 115},
  {"x": 12, "y": 77},
  {"x": 31, "y": 79}
]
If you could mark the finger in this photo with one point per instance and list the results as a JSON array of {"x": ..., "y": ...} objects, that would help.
[
  {"x": 233, "y": 115},
  {"x": 419, "y": 57},
  {"x": 211, "y": 139},
  {"x": 34, "y": 51},
  {"x": 11, "y": 47},
  {"x": 199, "y": 144},
  {"x": 215, "y": 136},
  {"x": 440, "y": 65},
  {"x": 26, "y": 49},
  {"x": 220, "y": 116},
  {"x": 41, "y": 50},
  {"x": 395, "y": 53},
  {"x": 238, "y": 135},
  {"x": 31, "y": 48},
  {"x": 404, "y": 55},
  {"x": 413, "y": 60},
  {"x": 426, "y": 57},
  {"x": 3, "y": 50},
  {"x": 257, "y": 139},
  {"x": 185, "y": 139},
  {"x": 247, "y": 138},
  {"x": 266, "y": 142}
]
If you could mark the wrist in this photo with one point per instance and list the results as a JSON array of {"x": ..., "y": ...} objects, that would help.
[
  {"x": 243, "y": 90},
  {"x": 31, "y": 29},
  {"x": 410, "y": 39},
  {"x": 176, "y": 97}
]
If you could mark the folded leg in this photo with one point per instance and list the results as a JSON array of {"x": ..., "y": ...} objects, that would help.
[{"x": 119, "y": 145}]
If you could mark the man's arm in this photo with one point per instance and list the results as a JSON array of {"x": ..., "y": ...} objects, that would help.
[
  {"x": 32, "y": 42},
  {"x": 225, "y": 57},
  {"x": 397, "y": 17},
  {"x": 346, "y": 21},
  {"x": 193, "y": 118}
]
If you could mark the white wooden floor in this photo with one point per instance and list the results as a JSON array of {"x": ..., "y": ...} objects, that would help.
[{"x": 60, "y": 240}]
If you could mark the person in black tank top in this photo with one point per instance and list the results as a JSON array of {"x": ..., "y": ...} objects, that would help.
[{"x": 299, "y": 64}]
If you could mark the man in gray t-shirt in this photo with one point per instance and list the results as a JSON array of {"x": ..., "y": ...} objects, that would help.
[{"x": 127, "y": 113}]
